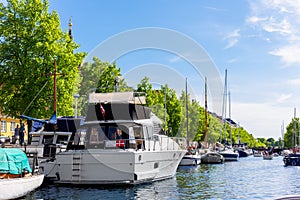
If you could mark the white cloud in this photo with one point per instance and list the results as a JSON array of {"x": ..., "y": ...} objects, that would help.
[
  {"x": 284, "y": 97},
  {"x": 282, "y": 27},
  {"x": 280, "y": 20},
  {"x": 232, "y": 38},
  {"x": 233, "y": 60},
  {"x": 255, "y": 19},
  {"x": 294, "y": 82},
  {"x": 231, "y": 43},
  {"x": 288, "y": 54}
]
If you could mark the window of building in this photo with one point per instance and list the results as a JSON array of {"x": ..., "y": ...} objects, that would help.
[
  {"x": 3, "y": 126},
  {"x": 12, "y": 126}
]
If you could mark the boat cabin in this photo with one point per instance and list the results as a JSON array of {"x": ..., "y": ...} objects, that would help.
[{"x": 113, "y": 135}]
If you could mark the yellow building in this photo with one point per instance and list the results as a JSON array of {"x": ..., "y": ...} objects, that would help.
[{"x": 8, "y": 125}]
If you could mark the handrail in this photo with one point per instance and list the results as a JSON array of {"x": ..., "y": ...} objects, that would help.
[{"x": 153, "y": 144}]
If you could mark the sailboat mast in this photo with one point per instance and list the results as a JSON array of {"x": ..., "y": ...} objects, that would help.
[
  {"x": 282, "y": 133},
  {"x": 54, "y": 87},
  {"x": 239, "y": 137},
  {"x": 294, "y": 134},
  {"x": 229, "y": 112},
  {"x": 224, "y": 103},
  {"x": 186, "y": 109},
  {"x": 205, "y": 106}
]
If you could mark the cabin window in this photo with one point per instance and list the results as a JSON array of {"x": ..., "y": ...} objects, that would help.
[
  {"x": 138, "y": 135},
  {"x": 112, "y": 133},
  {"x": 79, "y": 137},
  {"x": 97, "y": 135},
  {"x": 137, "y": 132}
]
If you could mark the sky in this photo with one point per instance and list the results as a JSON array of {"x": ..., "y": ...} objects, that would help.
[{"x": 257, "y": 41}]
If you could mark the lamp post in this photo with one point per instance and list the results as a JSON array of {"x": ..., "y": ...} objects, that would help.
[{"x": 76, "y": 96}]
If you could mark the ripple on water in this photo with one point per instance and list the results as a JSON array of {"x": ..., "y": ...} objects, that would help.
[{"x": 248, "y": 178}]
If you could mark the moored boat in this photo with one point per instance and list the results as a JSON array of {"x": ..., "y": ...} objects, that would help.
[
  {"x": 191, "y": 158},
  {"x": 229, "y": 154},
  {"x": 257, "y": 153},
  {"x": 291, "y": 160},
  {"x": 212, "y": 158},
  {"x": 118, "y": 143},
  {"x": 47, "y": 140},
  {"x": 15, "y": 172}
]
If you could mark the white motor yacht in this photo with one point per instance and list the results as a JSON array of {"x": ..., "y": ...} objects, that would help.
[{"x": 119, "y": 143}]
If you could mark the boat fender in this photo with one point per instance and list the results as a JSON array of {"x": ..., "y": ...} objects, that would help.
[{"x": 57, "y": 176}]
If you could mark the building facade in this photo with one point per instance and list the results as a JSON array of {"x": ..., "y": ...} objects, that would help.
[{"x": 8, "y": 125}]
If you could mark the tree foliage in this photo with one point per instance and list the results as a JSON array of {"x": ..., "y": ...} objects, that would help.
[
  {"x": 291, "y": 136},
  {"x": 100, "y": 77},
  {"x": 31, "y": 38},
  {"x": 191, "y": 126},
  {"x": 110, "y": 80},
  {"x": 156, "y": 100}
]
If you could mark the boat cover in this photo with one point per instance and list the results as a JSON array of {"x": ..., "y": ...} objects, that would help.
[{"x": 13, "y": 161}]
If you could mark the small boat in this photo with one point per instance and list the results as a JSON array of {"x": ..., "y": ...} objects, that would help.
[
  {"x": 242, "y": 153},
  {"x": 229, "y": 154},
  {"x": 16, "y": 177},
  {"x": 257, "y": 153},
  {"x": 241, "y": 148},
  {"x": 46, "y": 142},
  {"x": 212, "y": 158},
  {"x": 267, "y": 155},
  {"x": 291, "y": 159},
  {"x": 191, "y": 158}
]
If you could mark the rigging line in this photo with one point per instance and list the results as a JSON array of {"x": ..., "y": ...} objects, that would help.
[{"x": 35, "y": 96}]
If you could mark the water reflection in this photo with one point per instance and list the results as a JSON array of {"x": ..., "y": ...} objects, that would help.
[{"x": 249, "y": 178}]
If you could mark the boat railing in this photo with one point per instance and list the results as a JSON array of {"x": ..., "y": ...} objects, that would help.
[{"x": 157, "y": 143}]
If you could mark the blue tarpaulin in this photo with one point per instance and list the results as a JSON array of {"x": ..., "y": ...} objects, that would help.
[{"x": 13, "y": 161}]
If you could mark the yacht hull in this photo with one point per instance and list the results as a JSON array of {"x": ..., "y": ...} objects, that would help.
[
  {"x": 190, "y": 160},
  {"x": 116, "y": 167},
  {"x": 17, "y": 187}
]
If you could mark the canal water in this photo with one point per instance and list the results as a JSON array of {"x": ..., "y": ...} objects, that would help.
[{"x": 248, "y": 178}]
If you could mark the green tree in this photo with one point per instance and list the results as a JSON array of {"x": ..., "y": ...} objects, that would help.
[
  {"x": 156, "y": 100},
  {"x": 291, "y": 136},
  {"x": 99, "y": 77},
  {"x": 110, "y": 80},
  {"x": 173, "y": 109},
  {"x": 214, "y": 124},
  {"x": 31, "y": 38},
  {"x": 193, "y": 117},
  {"x": 90, "y": 75}
]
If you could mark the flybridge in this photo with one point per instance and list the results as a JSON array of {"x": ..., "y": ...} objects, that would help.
[{"x": 117, "y": 106}]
